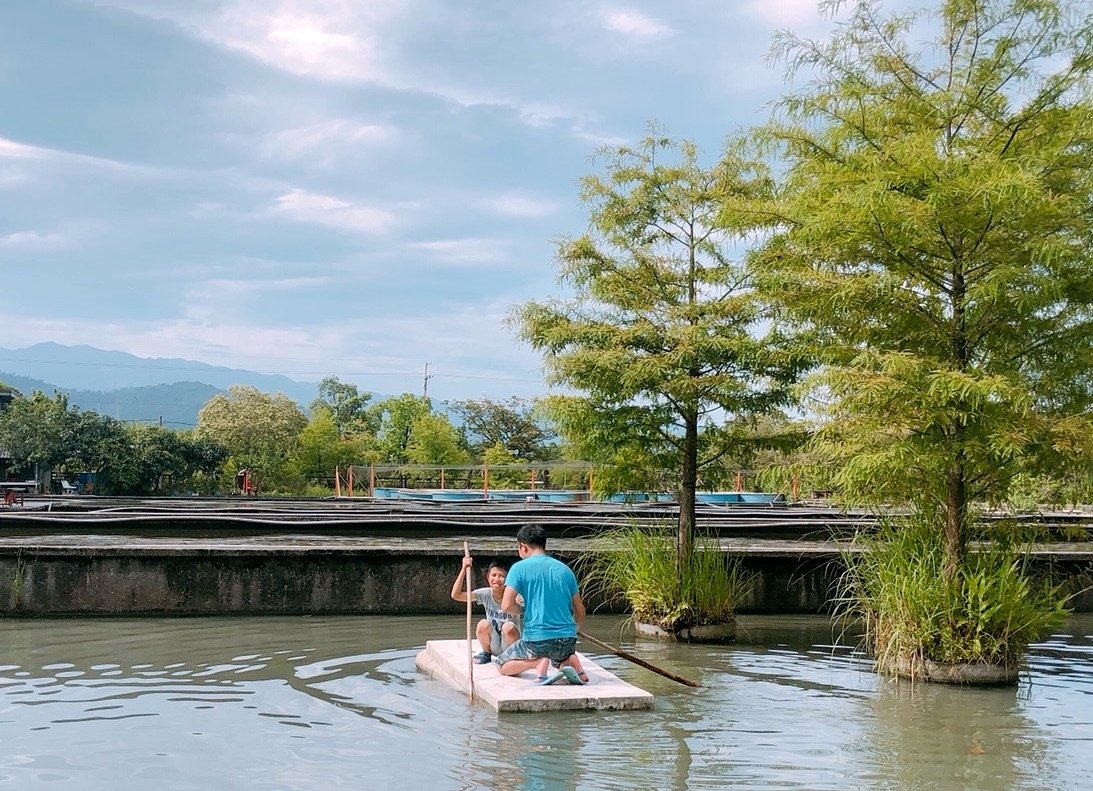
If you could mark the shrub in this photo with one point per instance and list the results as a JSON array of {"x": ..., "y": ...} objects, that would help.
[
  {"x": 637, "y": 564},
  {"x": 988, "y": 613}
]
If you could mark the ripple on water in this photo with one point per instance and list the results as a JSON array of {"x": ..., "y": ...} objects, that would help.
[{"x": 326, "y": 703}]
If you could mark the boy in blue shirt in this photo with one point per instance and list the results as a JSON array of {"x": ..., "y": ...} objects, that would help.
[{"x": 553, "y": 612}]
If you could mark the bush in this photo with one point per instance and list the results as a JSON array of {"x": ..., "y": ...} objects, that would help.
[
  {"x": 989, "y": 613},
  {"x": 638, "y": 565}
]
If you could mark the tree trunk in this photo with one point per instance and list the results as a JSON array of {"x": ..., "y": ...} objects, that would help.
[
  {"x": 686, "y": 532},
  {"x": 956, "y": 510}
]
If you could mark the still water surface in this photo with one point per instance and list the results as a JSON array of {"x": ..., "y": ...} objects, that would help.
[{"x": 335, "y": 703}]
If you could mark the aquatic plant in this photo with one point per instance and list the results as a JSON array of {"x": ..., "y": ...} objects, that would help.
[
  {"x": 913, "y": 613},
  {"x": 638, "y": 564}
]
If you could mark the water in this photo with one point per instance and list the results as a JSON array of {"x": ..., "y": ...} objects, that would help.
[{"x": 335, "y": 703}]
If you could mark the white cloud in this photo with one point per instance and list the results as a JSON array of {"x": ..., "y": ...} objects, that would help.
[
  {"x": 329, "y": 39},
  {"x": 515, "y": 205},
  {"x": 34, "y": 239},
  {"x": 9, "y": 149},
  {"x": 356, "y": 41},
  {"x": 784, "y": 13},
  {"x": 333, "y": 212},
  {"x": 329, "y": 140},
  {"x": 464, "y": 251},
  {"x": 633, "y": 24}
]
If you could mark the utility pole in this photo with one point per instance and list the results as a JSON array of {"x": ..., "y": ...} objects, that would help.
[{"x": 425, "y": 391}]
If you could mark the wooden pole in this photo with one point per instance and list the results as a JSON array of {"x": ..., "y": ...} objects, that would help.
[
  {"x": 372, "y": 479},
  {"x": 337, "y": 481},
  {"x": 470, "y": 631},
  {"x": 485, "y": 482},
  {"x": 637, "y": 661},
  {"x": 350, "y": 484}
]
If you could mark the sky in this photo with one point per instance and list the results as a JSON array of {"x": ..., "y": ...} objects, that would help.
[{"x": 353, "y": 188}]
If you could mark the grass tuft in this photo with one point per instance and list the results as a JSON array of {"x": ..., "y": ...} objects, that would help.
[
  {"x": 637, "y": 565},
  {"x": 989, "y": 613}
]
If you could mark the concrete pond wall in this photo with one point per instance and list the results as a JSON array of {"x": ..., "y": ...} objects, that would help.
[{"x": 198, "y": 579}]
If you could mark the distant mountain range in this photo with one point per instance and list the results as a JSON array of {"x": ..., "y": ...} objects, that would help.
[{"x": 170, "y": 391}]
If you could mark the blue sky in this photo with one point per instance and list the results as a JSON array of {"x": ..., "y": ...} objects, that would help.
[{"x": 336, "y": 187}]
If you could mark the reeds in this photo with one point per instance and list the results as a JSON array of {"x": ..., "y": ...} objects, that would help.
[
  {"x": 638, "y": 564},
  {"x": 988, "y": 613}
]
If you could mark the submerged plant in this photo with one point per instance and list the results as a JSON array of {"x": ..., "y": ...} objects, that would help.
[
  {"x": 913, "y": 613},
  {"x": 639, "y": 564}
]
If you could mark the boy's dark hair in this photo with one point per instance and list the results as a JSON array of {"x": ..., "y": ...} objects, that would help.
[
  {"x": 498, "y": 564},
  {"x": 532, "y": 535}
]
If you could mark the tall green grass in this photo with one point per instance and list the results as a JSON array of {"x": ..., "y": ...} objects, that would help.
[
  {"x": 637, "y": 564},
  {"x": 989, "y": 613}
]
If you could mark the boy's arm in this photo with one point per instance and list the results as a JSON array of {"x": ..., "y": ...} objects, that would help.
[
  {"x": 459, "y": 590},
  {"x": 509, "y": 603},
  {"x": 578, "y": 611}
]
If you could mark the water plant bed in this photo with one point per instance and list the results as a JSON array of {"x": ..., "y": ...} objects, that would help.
[
  {"x": 707, "y": 633},
  {"x": 972, "y": 674},
  {"x": 446, "y": 660}
]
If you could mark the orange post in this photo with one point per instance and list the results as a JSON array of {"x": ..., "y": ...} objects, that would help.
[
  {"x": 795, "y": 484},
  {"x": 372, "y": 479},
  {"x": 337, "y": 482},
  {"x": 739, "y": 482},
  {"x": 533, "y": 478},
  {"x": 441, "y": 477},
  {"x": 350, "y": 484},
  {"x": 485, "y": 482}
]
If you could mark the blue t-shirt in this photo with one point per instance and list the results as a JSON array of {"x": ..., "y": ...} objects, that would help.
[{"x": 548, "y": 587}]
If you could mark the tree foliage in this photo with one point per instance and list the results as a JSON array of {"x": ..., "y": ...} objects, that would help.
[
  {"x": 515, "y": 424},
  {"x": 347, "y": 407},
  {"x": 395, "y": 419},
  {"x": 662, "y": 341},
  {"x": 933, "y": 243},
  {"x": 434, "y": 440},
  {"x": 157, "y": 460},
  {"x": 259, "y": 430}
]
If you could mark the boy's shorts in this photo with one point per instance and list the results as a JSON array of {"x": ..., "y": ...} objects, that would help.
[
  {"x": 557, "y": 649},
  {"x": 495, "y": 637}
]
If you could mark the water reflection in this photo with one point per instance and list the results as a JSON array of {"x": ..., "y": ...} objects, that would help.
[{"x": 331, "y": 703}]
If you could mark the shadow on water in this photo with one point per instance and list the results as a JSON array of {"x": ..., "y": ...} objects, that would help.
[{"x": 332, "y": 703}]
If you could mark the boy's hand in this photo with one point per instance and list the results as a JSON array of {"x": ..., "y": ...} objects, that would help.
[{"x": 466, "y": 562}]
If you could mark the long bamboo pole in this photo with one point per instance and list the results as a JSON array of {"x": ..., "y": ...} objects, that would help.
[
  {"x": 470, "y": 631},
  {"x": 636, "y": 660}
]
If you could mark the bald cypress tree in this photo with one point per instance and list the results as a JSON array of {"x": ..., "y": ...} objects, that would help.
[
  {"x": 934, "y": 245},
  {"x": 661, "y": 347}
]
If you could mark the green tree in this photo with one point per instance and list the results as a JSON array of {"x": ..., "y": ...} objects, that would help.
[
  {"x": 515, "y": 424},
  {"x": 663, "y": 340},
  {"x": 935, "y": 245},
  {"x": 495, "y": 458},
  {"x": 395, "y": 418},
  {"x": 321, "y": 448},
  {"x": 434, "y": 440},
  {"x": 348, "y": 408},
  {"x": 259, "y": 430},
  {"x": 39, "y": 432}
]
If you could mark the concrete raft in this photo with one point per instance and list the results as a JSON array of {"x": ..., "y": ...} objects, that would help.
[{"x": 447, "y": 660}]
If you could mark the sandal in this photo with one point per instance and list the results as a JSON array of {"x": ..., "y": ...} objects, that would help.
[
  {"x": 482, "y": 657},
  {"x": 573, "y": 677},
  {"x": 542, "y": 681}
]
